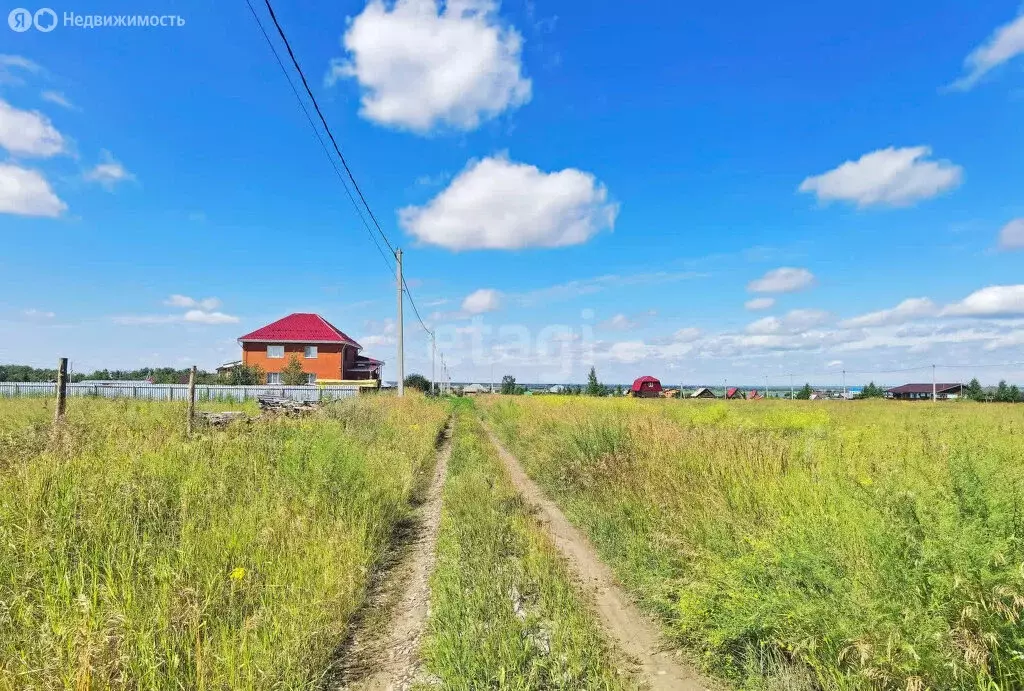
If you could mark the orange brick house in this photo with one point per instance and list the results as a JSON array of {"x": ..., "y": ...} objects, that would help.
[{"x": 325, "y": 352}]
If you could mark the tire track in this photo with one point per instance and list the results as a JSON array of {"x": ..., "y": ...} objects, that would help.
[
  {"x": 622, "y": 621},
  {"x": 384, "y": 652}
]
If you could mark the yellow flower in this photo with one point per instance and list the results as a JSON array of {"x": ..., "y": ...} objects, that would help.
[{"x": 237, "y": 573}]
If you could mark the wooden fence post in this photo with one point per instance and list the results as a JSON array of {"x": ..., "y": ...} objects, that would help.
[
  {"x": 62, "y": 389},
  {"x": 191, "y": 398}
]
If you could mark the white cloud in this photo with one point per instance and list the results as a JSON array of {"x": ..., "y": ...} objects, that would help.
[
  {"x": 206, "y": 304},
  {"x": 620, "y": 322},
  {"x": 28, "y": 132},
  {"x": 597, "y": 284},
  {"x": 908, "y": 310},
  {"x": 794, "y": 322},
  {"x": 421, "y": 65},
  {"x": 496, "y": 203},
  {"x": 993, "y": 301},
  {"x": 1005, "y": 43},
  {"x": 1011, "y": 237},
  {"x": 27, "y": 193},
  {"x": 58, "y": 98},
  {"x": 785, "y": 279},
  {"x": 759, "y": 304},
  {"x": 197, "y": 312},
  {"x": 202, "y": 317},
  {"x": 191, "y": 316},
  {"x": 686, "y": 335},
  {"x": 11, "y": 64},
  {"x": 108, "y": 172},
  {"x": 480, "y": 301},
  {"x": 893, "y": 177},
  {"x": 628, "y": 351},
  {"x": 33, "y": 313},
  {"x": 835, "y": 363}
]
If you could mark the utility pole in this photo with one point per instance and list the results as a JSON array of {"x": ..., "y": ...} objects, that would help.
[
  {"x": 934, "y": 397},
  {"x": 844, "y": 385},
  {"x": 401, "y": 335},
  {"x": 433, "y": 360},
  {"x": 725, "y": 389},
  {"x": 791, "y": 393},
  {"x": 766, "y": 386}
]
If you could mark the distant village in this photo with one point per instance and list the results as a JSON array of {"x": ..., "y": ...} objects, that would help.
[{"x": 304, "y": 349}]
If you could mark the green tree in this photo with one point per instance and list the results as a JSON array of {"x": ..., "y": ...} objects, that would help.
[
  {"x": 418, "y": 382},
  {"x": 871, "y": 391},
  {"x": 1015, "y": 394},
  {"x": 292, "y": 374},
  {"x": 508, "y": 385},
  {"x": 1003, "y": 392},
  {"x": 245, "y": 375},
  {"x": 974, "y": 390},
  {"x": 594, "y": 387},
  {"x": 804, "y": 394}
]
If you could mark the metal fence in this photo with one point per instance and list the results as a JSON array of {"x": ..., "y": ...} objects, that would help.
[{"x": 179, "y": 392}]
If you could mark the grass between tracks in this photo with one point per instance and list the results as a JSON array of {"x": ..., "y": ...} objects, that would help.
[
  {"x": 133, "y": 557},
  {"x": 504, "y": 613},
  {"x": 836, "y": 545}
]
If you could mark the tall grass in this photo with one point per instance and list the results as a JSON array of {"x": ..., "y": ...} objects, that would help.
[
  {"x": 503, "y": 611},
  {"x": 133, "y": 557},
  {"x": 866, "y": 545}
]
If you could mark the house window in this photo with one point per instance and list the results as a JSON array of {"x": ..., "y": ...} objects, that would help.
[
  {"x": 275, "y": 351},
  {"x": 310, "y": 352},
  {"x": 273, "y": 377},
  {"x": 311, "y": 379}
]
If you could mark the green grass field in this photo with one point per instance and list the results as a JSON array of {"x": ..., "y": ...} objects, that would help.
[
  {"x": 782, "y": 545},
  {"x": 132, "y": 557},
  {"x": 865, "y": 545},
  {"x": 503, "y": 611}
]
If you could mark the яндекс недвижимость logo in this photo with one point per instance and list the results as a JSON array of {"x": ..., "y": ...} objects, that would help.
[{"x": 44, "y": 19}]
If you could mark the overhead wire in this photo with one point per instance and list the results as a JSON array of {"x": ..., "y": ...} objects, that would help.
[
  {"x": 337, "y": 148},
  {"x": 319, "y": 137},
  {"x": 323, "y": 120}
]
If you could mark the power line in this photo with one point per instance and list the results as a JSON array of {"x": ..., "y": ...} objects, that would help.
[
  {"x": 414, "y": 308},
  {"x": 334, "y": 142},
  {"x": 319, "y": 138},
  {"x": 316, "y": 106}
]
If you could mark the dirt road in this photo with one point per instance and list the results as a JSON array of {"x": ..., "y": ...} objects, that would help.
[
  {"x": 623, "y": 622},
  {"x": 384, "y": 653}
]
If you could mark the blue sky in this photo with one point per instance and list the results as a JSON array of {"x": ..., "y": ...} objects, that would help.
[{"x": 572, "y": 185}]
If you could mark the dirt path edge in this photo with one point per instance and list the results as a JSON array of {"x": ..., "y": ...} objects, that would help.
[
  {"x": 386, "y": 658},
  {"x": 622, "y": 621}
]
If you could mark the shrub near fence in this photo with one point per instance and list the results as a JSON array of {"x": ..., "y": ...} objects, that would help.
[{"x": 179, "y": 392}]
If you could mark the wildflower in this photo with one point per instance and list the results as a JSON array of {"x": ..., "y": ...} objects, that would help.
[{"x": 237, "y": 573}]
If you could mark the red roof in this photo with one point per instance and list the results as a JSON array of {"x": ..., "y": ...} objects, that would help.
[
  {"x": 656, "y": 385},
  {"x": 300, "y": 327},
  {"x": 731, "y": 393},
  {"x": 926, "y": 388}
]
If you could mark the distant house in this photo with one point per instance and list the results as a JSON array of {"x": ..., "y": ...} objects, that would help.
[
  {"x": 228, "y": 366},
  {"x": 754, "y": 395},
  {"x": 703, "y": 392},
  {"x": 325, "y": 352},
  {"x": 646, "y": 387},
  {"x": 734, "y": 392},
  {"x": 923, "y": 392},
  {"x": 474, "y": 389},
  {"x": 557, "y": 388}
]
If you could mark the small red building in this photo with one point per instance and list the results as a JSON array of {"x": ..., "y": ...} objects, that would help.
[
  {"x": 735, "y": 393},
  {"x": 325, "y": 352},
  {"x": 646, "y": 387}
]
